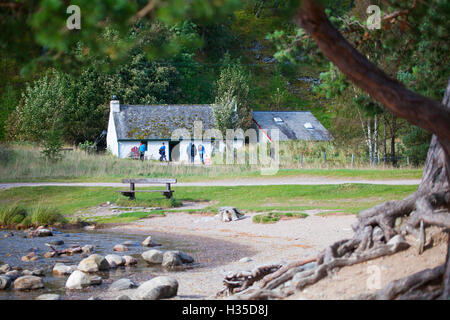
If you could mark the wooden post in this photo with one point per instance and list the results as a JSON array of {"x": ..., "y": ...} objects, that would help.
[
  {"x": 301, "y": 160},
  {"x": 407, "y": 161},
  {"x": 325, "y": 158},
  {"x": 353, "y": 159},
  {"x": 132, "y": 189}
]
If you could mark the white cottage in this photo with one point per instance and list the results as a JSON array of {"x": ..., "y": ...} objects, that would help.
[{"x": 129, "y": 125}]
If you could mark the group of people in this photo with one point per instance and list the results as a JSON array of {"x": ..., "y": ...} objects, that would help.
[{"x": 191, "y": 151}]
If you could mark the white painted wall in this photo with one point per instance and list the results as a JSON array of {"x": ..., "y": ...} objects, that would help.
[
  {"x": 111, "y": 137},
  {"x": 153, "y": 150}
]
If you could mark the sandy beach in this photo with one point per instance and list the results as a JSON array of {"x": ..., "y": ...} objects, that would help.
[{"x": 284, "y": 241}]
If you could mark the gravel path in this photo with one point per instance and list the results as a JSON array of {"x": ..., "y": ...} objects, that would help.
[
  {"x": 226, "y": 183},
  {"x": 286, "y": 240}
]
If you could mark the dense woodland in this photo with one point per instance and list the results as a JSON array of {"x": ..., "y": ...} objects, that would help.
[{"x": 252, "y": 53}]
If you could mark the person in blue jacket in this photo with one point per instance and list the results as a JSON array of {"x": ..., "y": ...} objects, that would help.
[
  {"x": 142, "y": 149},
  {"x": 162, "y": 152}
]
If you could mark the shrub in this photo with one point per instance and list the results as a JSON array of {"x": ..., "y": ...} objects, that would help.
[
  {"x": 12, "y": 215},
  {"x": 43, "y": 215}
]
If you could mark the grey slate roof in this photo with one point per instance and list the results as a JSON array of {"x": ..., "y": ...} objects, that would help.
[
  {"x": 292, "y": 125},
  {"x": 140, "y": 122}
]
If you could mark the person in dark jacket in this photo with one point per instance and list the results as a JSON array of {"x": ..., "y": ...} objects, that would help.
[
  {"x": 162, "y": 152},
  {"x": 191, "y": 151}
]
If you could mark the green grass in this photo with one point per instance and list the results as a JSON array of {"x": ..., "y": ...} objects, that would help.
[
  {"x": 347, "y": 198},
  {"x": 128, "y": 217},
  {"x": 12, "y": 215},
  {"x": 272, "y": 217},
  {"x": 24, "y": 163}
]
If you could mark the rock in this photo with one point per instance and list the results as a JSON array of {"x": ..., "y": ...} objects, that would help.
[
  {"x": 27, "y": 273},
  {"x": 157, "y": 288},
  {"x": 227, "y": 214},
  {"x": 4, "y": 268},
  {"x": 245, "y": 260},
  {"x": 56, "y": 242},
  {"x": 185, "y": 258},
  {"x": 93, "y": 263},
  {"x": 129, "y": 244},
  {"x": 30, "y": 257},
  {"x": 120, "y": 247},
  {"x": 129, "y": 260},
  {"x": 49, "y": 296},
  {"x": 94, "y": 298},
  {"x": 38, "y": 272},
  {"x": 148, "y": 242},
  {"x": 115, "y": 260},
  {"x": 153, "y": 256},
  {"x": 89, "y": 227},
  {"x": 88, "y": 248},
  {"x": 62, "y": 269},
  {"x": 95, "y": 280},
  {"x": 377, "y": 234},
  {"x": 171, "y": 259},
  {"x": 78, "y": 280},
  {"x": 5, "y": 282},
  {"x": 398, "y": 241},
  {"x": 123, "y": 297},
  {"x": 28, "y": 283},
  {"x": 49, "y": 254},
  {"x": 122, "y": 284},
  {"x": 13, "y": 274},
  {"x": 43, "y": 232}
]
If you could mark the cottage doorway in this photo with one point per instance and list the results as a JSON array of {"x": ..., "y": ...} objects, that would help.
[{"x": 174, "y": 151}]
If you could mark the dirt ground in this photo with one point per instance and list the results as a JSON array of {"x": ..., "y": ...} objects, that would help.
[{"x": 286, "y": 241}]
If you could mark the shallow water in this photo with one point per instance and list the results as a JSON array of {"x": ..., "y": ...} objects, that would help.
[{"x": 206, "y": 252}]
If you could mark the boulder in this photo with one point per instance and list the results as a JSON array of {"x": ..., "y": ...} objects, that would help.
[
  {"x": 129, "y": 244},
  {"x": 227, "y": 214},
  {"x": 30, "y": 257},
  {"x": 95, "y": 280},
  {"x": 115, "y": 260},
  {"x": 120, "y": 248},
  {"x": 87, "y": 249},
  {"x": 129, "y": 260},
  {"x": 43, "y": 232},
  {"x": 57, "y": 242},
  {"x": 185, "y": 258},
  {"x": 78, "y": 280},
  {"x": 148, "y": 242},
  {"x": 62, "y": 269},
  {"x": 122, "y": 284},
  {"x": 49, "y": 254},
  {"x": 171, "y": 259},
  {"x": 13, "y": 274},
  {"x": 49, "y": 296},
  {"x": 28, "y": 283},
  {"x": 123, "y": 297},
  {"x": 4, "y": 268},
  {"x": 5, "y": 282},
  {"x": 153, "y": 256},
  {"x": 38, "y": 272},
  {"x": 245, "y": 260},
  {"x": 93, "y": 263},
  {"x": 157, "y": 288}
]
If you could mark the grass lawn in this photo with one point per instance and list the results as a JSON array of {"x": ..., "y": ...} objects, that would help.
[{"x": 348, "y": 198}]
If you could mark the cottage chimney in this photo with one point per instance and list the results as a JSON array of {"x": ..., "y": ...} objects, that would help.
[{"x": 114, "y": 104}]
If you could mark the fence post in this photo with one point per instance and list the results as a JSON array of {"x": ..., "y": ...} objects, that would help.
[
  {"x": 353, "y": 159},
  {"x": 407, "y": 161},
  {"x": 325, "y": 158},
  {"x": 301, "y": 160}
]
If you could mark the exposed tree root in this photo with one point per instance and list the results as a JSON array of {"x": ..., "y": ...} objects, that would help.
[
  {"x": 411, "y": 287},
  {"x": 239, "y": 281}
]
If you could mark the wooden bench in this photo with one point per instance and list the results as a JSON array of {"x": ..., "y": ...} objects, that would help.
[{"x": 131, "y": 193}]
